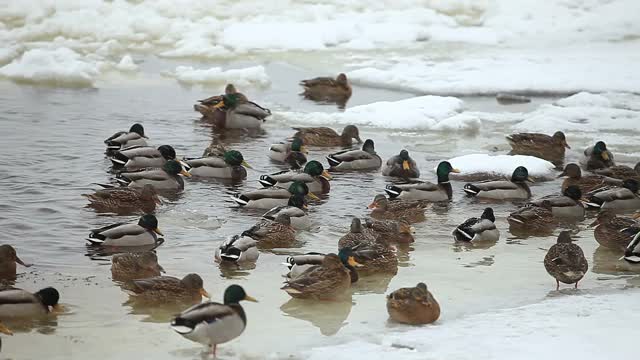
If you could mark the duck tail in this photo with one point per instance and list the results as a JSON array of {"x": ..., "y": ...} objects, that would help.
[
  {"x": 515, "y": 220},
  {"x": 333, "y": 162},
  {"x": 393, "y": 191},
  {"x": 267, "y": 181},
  {"x": 179, "y": 325},
  {"x": 118, "y": 159},
  {"x": 95, "y": 238},
  {"x": 593, "y": 202},
  {"x": 462, "y": 234},
  {"x": 240, "y": 199},
  {"x": 471, "y": 189},
  {"x": 122, "y": 180}
]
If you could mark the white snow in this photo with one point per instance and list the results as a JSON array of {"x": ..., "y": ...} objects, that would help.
[
  {"x": 502, "y": 165},
  {"x": 424, "y": 112},
  {"x": 126, "y": 64},
  {"x": 255, "y": 75},
  {"x": 61, "y": 67},
  {"x": 586, "y": 327}
]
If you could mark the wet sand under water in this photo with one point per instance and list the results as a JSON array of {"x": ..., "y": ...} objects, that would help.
[{"x": 52, "y": 152}]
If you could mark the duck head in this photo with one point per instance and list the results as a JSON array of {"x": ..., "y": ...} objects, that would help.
[
  {"x": 138, "y": 129},
  {"x": 356, "y": 225},
  {"x": 572, "y": 171},
  {"x": 298, "y": 201},
  {"x": 631, "y": 184},
  {"x": 150, "y": 222},
  {"x": 443, "y": 170},
  {"x": 167, "y": 152},
  {"x": 299, "y": 187},
  {"x": 564, "y": 237},
  {"x": 297, "y": 144},
  {"x": 194, "y": 282},
  {"x": 369, "y": 146},
  {"x": 488, "y": 214},
  {"x": 235, "y": 158},
  {"x": 600, "y": 149},
  {"x": 315, "y": 168},
  {"x": 235, "y": 293},
  {"x": 49, "y": 297},
  {"x": 379, "y": 202},
  {"x": 352, "y": 132},
  {"x": 521, "y": 174},
  {"x": 174, "y": 168},
  {"x": 559, "y": 138}
]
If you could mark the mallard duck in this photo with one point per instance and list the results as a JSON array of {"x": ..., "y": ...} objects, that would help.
[
  {"x": 598, "y": 157},
  {"x": 615, "y": 232},
  {"x": 124, "y": 139},
  {"x": 298, "y": 264},
  {"x": 567, "y": 205},
  {"x": 18, "y": 303},
  {"x": 478, "y": 229},
  {"x": 231, "y": 166},
  {"x": 391, "y": 231},
  {"x": 327, "y": 89},
  {"x": 542, "y": 146},
  {"x": 212, "y": 323},
  {"x": 620, "y": 198},
  {"x": 166, "y": 178},
  {"x": 401, "y": 165},
  {"x": 413, "y": 306},
  {"x": 230, "y": 89},
  {"x": 231, "y": 112},
  {"x": 365, "y": 159},
  {"x": 162, "y": 289},
  {"x": 515, "y": 189},
  {"x": 139, "y": 157},
  {"x": 585, "y": 183},
  {"x": 273, "y": 233},
  {"x": 314, "y": 176},
  {"x": 292, "y": 153},
  {"x": 565, "y": 261},
  {"x": 621, "y": 172},
  {"x": 124, "y": 199},
  {"x": 425, "y": 190},
  {"x": 295, "y": 208},
  {"x": 323, "y": 136},
  {"x": 237, "y": 249},
  {"x": 270, "y": 198},
  {"x": 372, "y": 252},
  {"x": 327, "y": 281},
  {"x": 145, "y": 232},
  {"x": 409, "y": 211},
  {"x": 632, "y": 252},
  {"x": 130, "y": 266},
  {"x": 532, "y": 219},
  {"x": 215, "y": 149},
  {"x": 8, "y": 260}
]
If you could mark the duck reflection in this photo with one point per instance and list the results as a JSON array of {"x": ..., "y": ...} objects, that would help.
[
  {"x": 328, "y": 316},
  {"x": 610, "y": 262}
]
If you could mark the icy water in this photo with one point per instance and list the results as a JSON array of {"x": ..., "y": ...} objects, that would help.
[{"x": 52, "y": 152}]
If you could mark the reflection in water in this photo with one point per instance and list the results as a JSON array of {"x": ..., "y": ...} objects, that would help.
[
  {"x": 44, "y": 325},
  {"x": 372, "y": 284},
  {"x": 97, "y": 252},
  {"x": 608, "y": 261},
  {"x": 232, "y": 270},
  {"x": 328, "y": 316},
  {"x": 459, "y": 246},
  {"x": 485, "y": 261},
  {"x": 157, "y": 313}
]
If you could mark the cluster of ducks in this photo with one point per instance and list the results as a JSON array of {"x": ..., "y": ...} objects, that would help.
[{"x": 143, "y": 173}]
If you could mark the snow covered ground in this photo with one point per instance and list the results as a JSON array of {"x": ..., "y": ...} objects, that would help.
[{"x": 567, "y": 327}]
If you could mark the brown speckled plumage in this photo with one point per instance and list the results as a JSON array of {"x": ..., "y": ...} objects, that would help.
[
  {"x": 414, "y": 306},
  {"x": 565, "y": 261}
]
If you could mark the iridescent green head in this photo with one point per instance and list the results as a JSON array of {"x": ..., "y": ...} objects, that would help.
[
  {"x": 314, "y": 168},
  {"x": 443, "y": 170},
  {"x": 520, "y": 174},
  {"x": 233, "y": 158},
  {"x": 298, "y": 188},
  {"x": 296, "y": 144},
  {"x": 235, "y": 293},
  {"x": 173, "y": 167},
  {"x": 230, "y": 100}
]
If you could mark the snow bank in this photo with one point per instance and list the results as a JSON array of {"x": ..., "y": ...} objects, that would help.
[
  {"x": 597, "y": 68},
  {"x": 501, "y": 165},
  {"x": 585, "y": 327},
  {"x": 425, "y": 112},
  {"x": 126, "y": 64},
  {"x": 61, "y": 67},
  {"x": 255, "y": 75}
]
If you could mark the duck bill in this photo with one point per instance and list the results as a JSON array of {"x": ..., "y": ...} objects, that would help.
[
  {"x": 246, "y": 164},
  {"x": 313, "y": 196},
  {"x": 595, "y": 223},
  {"x": 605, "y": 156},
  {"x": 372, "y": 206},
  {"x": 454, "y": 170},
  {"x": 219, "y": 105},
  {"x": 204, "y": 293},
  {"x": 562, "y": 174},
  {"x": 157, "y": 231},
  {"x": 352, "y": 261},
  {"x": 566, "y": 145},
  {"x": 530, "y": 179},
  {"x": 405, "y": 165},
  {"x": 304, "y": 150},
  {"x": 636, "y": 215},
  {"x": 325, "y": 174},
  {"x": 161, "y": 269},
  {"x": 5, "y": 330},
  {"x": 183, "y": 172},
  {"x": 359, "y": 140},
  {"x": 58, "y": 309},
  {"x": 19, "y": 261},
  {"x": 250, "y": 298}
]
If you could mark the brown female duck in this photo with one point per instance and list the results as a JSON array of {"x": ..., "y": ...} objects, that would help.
[
  {"x": 621, "y": 172},
  {"x": 166, "y": 289},
  {"x": 391, "y": 231},
  {"x": 565, "y": 261},
  {"x": 598, "y": 157},
  {"x": 375, "y": 254},
  {"x": 413, "y": 306},
  {"x": 273, "y": 233},
  {"x": 542, "y": 146},
  {"x": 327, "y": 89},
  {"x": 615, "y": 232},
  {"x": 585, "y": 183},
  {"x": 124, "y": 200},
  {"x": 323, "y": 136},
  {"x": 409, "y": 211},
  {"x": 130, "y": 266},
  {"x": 8, "y": 260}
]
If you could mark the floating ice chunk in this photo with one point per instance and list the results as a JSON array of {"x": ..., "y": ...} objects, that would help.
[
  {"x": 424, "y": 112},
  {"x": 127, "y": 64},
  {"x": 501, "y": 165},
  {"x": 61, "y": 67},
  {"x": 255, "y": 75}
]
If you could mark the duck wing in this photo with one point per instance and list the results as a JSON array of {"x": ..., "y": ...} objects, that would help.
[{"x": 207, "y": 312}]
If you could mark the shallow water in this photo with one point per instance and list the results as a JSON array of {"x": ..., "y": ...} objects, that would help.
[{"x": 52, "y": 152}]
